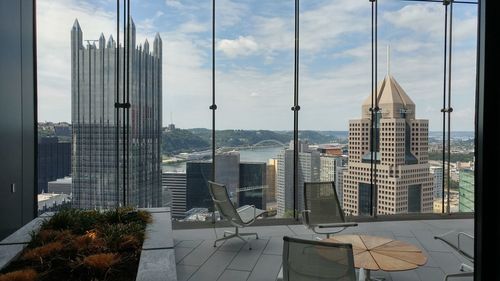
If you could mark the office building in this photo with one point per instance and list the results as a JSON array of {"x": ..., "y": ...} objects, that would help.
[
  {"x": 175, "y": 185},
  {"x": 252, "y": 189},
  {"x": 466, "y": 191},
  {"x": 339, "y": 183},
  {"x": 402, "y": 177},
  {"x": 54, "y": 161},
  {"x": 437, "y": 173},
  {"x": 271, "y": 184},
  {"x": 308, "y": 171},
  {"x": 102, "y": 153},
  {"x": 327, "y": 168},
  {"x": 228, "y": 171}
]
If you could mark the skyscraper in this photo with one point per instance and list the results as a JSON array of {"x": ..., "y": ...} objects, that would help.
[
  {"x": 175, "y": 183},
  {"x": 400, "y": 146},
  {"x": 245, "y": 181},
  {"x": 327, "y": 168},
  {"x": 104, "y": 142},
  {"x": 466, "y": 191},
  {"x": 308, "y": 171},
  {"x": 54, "y": 161},
  {"x": 437, "y": 173}
]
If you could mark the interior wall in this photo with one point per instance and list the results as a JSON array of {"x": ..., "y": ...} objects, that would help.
[{"x": 17, "y": 115}]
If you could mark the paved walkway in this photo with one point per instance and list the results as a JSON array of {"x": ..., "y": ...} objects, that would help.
[{"x": 198, "y": 260}]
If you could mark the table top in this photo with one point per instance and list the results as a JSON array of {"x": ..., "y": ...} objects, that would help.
[{"x": 379, "y": 253}]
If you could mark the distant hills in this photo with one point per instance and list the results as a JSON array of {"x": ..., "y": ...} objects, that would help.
[
  {"x": 196, "y": 139},
  {"x": 188, "y": 140}
]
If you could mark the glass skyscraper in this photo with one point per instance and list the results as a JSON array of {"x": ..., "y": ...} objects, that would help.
[{"x": 103, "y": 141}]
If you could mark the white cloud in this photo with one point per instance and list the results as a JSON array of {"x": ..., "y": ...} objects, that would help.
[
  {"x": 174, "y": 3},
  {"x": 149, "y": 24},
  {"x": 260, "y": 98},
  {"x": 425, "y": 19},
  {"x": 193, "y": 27},
  {"x": 54, "y": 22},
  {"x": 243, "y": 46},
  {"x": 465, "y": 29},
  {"x": 229, "y": 13}
]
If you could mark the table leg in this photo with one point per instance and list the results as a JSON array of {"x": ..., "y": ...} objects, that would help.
[{"x": 364, "y": 275}]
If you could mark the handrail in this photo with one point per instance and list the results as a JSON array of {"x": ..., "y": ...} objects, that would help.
[{"x": 291, "y": 221}]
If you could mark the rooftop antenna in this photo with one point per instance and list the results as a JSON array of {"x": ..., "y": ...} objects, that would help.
[
  {"x": 171, "y": 119},
  {"x": 388, "y": 60}
]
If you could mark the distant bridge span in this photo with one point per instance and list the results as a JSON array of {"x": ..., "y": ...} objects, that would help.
[{"x": 277, "y": 142}]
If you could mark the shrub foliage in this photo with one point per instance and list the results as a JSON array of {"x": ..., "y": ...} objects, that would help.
[{"x": 83, "y": 245}]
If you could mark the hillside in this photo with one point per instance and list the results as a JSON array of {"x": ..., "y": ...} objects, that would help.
[{"x": 178, "y": 140}]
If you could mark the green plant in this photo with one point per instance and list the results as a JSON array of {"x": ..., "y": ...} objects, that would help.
[{"x": 83, "y": 245}]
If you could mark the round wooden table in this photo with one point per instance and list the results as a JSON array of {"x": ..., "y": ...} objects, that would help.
[{"x": 379, "y": 253}]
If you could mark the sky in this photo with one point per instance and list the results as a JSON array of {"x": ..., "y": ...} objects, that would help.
[{"x": 254, "y": 58}]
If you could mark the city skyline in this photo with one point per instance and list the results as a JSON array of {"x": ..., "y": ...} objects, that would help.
[{"x": 255, "y": 61}]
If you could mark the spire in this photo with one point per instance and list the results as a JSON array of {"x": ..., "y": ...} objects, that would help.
[
  {"x": 76, "y": 24},
  {"x": 76, "y": 36},
  {"x": 388, "y": 59},
  {"x": 102, "y": 41},
  {"x": 111, "y": 42},
  {"x": 157, "y": 46},
  {"x": 146, "y": 46},
  {"x": 131, "y": 33}
]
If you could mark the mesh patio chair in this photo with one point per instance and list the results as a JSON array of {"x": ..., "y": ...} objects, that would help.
[
  {"x": 241, "y": 217},
  {"x": 307, "y": 260},
  {"x": 323, "y": 213},
  {"x": 463, "y": 243}
]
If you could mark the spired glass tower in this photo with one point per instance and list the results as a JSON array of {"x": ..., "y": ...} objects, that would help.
[
  {"x": 98, "y": 133},
  {"x": 400, "y": 146}
]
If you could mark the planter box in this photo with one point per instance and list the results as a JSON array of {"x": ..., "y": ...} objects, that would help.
[
  {"x": 158, "y": 256},
  {"x": 157, "y": 260}
]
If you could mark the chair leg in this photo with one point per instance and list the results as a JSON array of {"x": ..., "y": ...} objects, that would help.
[
  {"x": 461, "y": 274},
  {"x": 466, "y": 268},
  {"x": 238, "y": 234}
]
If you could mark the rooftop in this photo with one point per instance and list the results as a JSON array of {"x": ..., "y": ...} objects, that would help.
[{"x": 198, "y": 260}]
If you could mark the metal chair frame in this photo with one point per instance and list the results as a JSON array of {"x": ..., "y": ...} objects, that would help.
[
  {"x": 316, "y": 228},
  {"x": 466, "y": 270},
  {"x": 236, "y": 221}
]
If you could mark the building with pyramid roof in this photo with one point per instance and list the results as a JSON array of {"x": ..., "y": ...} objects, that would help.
[{"x": 398, "y": 156}]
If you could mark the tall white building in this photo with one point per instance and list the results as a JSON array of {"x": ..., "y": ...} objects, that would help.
[
  {"x": 339, "y": 183},
  {"x": 308, "y": 171},
  {"x": 403, "y": 181},
  {"x": 437, "y": 173},
  {"x": 175, "y": 185},
  {"x": 327, "y": 168},
  {"x": 100, "y": 149}
]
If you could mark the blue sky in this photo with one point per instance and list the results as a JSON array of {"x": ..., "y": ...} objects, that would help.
[{"x": 254, "y": 58}]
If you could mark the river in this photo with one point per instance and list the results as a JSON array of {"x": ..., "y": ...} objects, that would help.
[{"x": 261, "y": 154}]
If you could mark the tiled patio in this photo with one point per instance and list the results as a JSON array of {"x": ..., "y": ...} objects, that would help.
[{"x": 197, "y": 259}]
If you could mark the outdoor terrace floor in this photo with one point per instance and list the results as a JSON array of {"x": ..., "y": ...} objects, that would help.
[{"x": 197, "y": 259}]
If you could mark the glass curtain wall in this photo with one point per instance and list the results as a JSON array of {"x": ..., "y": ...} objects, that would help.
[
  {"x": 254, "y": 92},
  {"x": 185, "y": 33},
  {"x": 134, "y": 92},
  {"x": 432, "y": 58},
  {"x": 393, "y": 165}
]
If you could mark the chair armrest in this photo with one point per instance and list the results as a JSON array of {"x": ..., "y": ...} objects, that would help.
[
  {"x": 453, "y": 239},
  {"x": 340, "y": 224},
  {"x": 463, "y": 234}
]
